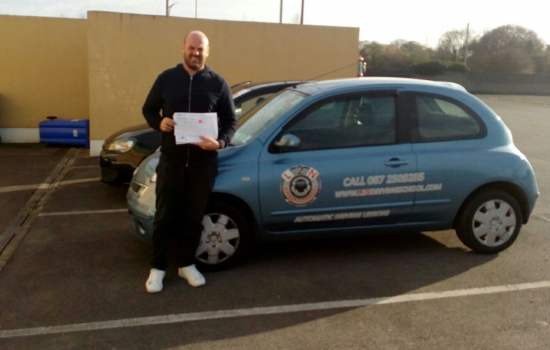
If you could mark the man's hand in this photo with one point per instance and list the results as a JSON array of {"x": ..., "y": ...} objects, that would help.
[
  {"x": 207, "y": 144},
  {"x": 167, "y": 124}
]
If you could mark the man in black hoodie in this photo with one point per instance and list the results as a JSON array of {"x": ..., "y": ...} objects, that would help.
[{"x": 185, "y": 172}]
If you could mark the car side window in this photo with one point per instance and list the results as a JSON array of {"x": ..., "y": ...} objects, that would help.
[
  {"x": 437, "y": 119},
  {"x": 346, "y": 122}
]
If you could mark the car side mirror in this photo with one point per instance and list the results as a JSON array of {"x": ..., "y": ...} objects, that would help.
[{"x": 288, "y": 142}]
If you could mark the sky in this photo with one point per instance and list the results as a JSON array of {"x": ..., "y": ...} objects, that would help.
[{"x": 423, "y": 21}]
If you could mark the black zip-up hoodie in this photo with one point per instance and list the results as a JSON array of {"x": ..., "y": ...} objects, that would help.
[{"x": 175, "y": 90}]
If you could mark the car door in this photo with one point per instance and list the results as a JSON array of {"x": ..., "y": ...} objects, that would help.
[
  {"x": 448, "y": 142},
  {"x": 343, "y": 173}
]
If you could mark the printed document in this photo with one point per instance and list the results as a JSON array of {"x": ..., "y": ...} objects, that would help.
[{"x": 189, "y": 126}]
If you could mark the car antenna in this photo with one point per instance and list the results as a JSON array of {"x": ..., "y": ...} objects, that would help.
[{"x": 336, "y": 70}]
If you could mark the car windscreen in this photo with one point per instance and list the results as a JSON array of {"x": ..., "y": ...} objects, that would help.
[{"x": 264, "y": 115}]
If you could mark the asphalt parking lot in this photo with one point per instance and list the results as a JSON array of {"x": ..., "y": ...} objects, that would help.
[{"x": 72, "y": 273}]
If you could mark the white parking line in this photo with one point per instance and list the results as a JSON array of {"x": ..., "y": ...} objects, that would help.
[
  {"x": 70, "y": 182},
  {"x": 23, "y": 187},
  {"x": 44, "y": 185},
  {"x": 84, "y": 212},
  {"x": 258, "y": 311}
]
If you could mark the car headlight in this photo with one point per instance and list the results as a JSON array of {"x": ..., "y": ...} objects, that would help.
[{"x": 121, "y": 145}]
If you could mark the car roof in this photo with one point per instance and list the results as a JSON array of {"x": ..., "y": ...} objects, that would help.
[
  {"x": 262, "y": 84},
  {"x": 312, "y": 88}
]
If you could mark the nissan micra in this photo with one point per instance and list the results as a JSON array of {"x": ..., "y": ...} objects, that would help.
[{"x": 356, "y": 156}]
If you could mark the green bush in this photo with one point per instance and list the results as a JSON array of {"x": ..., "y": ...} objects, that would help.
[
  {"x": 429, "y": 68},
  {"x": 438, "y": 67},
  {"x": 457, "y": 67}
]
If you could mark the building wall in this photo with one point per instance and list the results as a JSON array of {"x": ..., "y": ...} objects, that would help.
[
  {"x": 101, "y": 68},
  {"x": 43, "y": 71},
  {"x": 127, "y": 52}
]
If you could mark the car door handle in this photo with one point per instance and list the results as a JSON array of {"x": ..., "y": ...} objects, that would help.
[{"x": 396, "y": 162}]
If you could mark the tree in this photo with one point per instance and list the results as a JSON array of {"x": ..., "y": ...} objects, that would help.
[
  {"x": 400, "y": 54},
  {"x": 508, "y": 60},
  {"x": 542, "y": 63},
  {"x": 450, "y": 46},
  {"x": 509, "y": 48},
  {"x": 416, "y": 52},
  {"x": 372, "y": 52}
]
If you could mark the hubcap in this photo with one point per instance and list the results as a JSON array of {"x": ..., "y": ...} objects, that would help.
[
  {"x": 219, "y": 240},
  {"x": 494, "y": 222}
]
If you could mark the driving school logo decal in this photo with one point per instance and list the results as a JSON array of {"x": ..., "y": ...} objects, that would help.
[{"x": 300, "y": 185}]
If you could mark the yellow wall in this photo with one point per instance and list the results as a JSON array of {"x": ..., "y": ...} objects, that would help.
[
  {"x": 127, "y": 52},
  {"x": 43, "y": 70},
  {"x": 102, "y": 67}
]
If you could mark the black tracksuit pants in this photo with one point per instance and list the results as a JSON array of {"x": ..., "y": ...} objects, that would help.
[{"x": 181, "y": 195}]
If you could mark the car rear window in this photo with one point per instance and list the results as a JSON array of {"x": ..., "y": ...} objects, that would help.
[{"x": 439, "y": 119}]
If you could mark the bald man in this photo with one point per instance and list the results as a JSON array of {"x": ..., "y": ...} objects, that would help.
[{"x": 185, "y": 172}]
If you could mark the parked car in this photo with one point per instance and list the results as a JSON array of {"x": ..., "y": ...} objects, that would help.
[
  {"x": 124, "y": 150},
  {"x": 356, "y": 156}
]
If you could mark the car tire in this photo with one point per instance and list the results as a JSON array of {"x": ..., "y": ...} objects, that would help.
[
  {"x": 490, "y": 222},
  {"x": 225, "y": 237}
]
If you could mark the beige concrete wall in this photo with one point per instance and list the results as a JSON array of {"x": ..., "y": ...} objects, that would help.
[
  {"x": 126, "y": 53},
  {"x": 101, "y": 68},
  {"x": 43, "y": 70}
]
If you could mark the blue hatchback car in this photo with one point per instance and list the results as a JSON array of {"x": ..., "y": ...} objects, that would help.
[{"x": 360, "y": 155}]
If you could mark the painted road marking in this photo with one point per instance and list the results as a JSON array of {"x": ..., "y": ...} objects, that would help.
[
  {"x": 44, "y": 185},
  {"x": 23, "y": 187},
  {"x": 258, "y": 311},
  {"x": 84, "y": 212},
  {"x": 70, "y": 182}
]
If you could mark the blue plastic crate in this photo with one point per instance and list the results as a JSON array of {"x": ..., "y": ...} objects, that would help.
[{"x": 65, "y": 132}]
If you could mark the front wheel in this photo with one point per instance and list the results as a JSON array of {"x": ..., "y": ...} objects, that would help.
[
  {"x": 490, "y": 222},
  {"x": 225, "y": 237}
]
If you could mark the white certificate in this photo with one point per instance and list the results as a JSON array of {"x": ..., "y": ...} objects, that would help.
[{"x": 189, "y": 126}]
